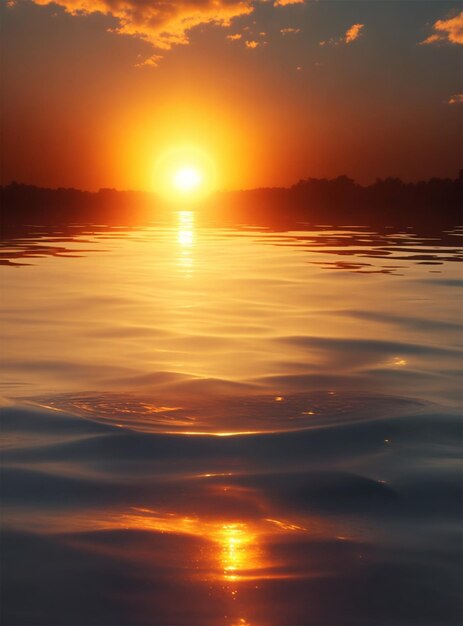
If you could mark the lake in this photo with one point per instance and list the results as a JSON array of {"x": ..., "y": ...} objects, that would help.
[{"x": 228, "y": 424}]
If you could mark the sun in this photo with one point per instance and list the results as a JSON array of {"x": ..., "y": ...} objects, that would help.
[
  {"x": 184, "y": 174},
  {"x": 187, "y": 179}
]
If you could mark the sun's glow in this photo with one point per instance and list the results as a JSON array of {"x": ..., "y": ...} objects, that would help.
[
  {"x": 187, "y": 179},
  {"x": 184, "y": 174}
]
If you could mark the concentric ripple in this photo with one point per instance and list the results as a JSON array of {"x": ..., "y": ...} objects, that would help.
[{"x": 229, "y": 415}]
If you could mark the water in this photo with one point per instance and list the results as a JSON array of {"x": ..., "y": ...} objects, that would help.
[{"x": 231, "y": 425}]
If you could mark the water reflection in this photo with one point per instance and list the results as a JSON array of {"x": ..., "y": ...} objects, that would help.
[
  {"x": 236, "y": 548},
  {"x": 244, "y": 414},
  {"x": 186, "y": 241},
  {"x": 322, "y": 480},
  {"x": 385, "y": 250}
]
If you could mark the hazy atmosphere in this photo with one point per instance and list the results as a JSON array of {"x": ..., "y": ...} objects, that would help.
[
  {"x": 231, "y": 338},
  {"x": 100, "y": 90}
]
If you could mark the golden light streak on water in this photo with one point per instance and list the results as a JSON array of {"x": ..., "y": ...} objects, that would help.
[{"x": 185, "y": 241}]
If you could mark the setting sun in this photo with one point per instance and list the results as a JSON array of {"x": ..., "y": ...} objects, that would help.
[
  {"x": 184, "y": 174},
  {"x": 187, "y": 179}
]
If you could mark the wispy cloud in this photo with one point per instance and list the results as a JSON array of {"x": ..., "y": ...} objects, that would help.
[
  {"x": 234, "y": 37},
  {"x": 252, "y": 44},
  {"x": 351, "y": 34},
  {"x": 447, "y": 30},
  {"x": 289, "y": 31},
  {"x": 162, "y": 23},
  {"x": 456, "y": 99},
  {"x": 284, "y": 3}
]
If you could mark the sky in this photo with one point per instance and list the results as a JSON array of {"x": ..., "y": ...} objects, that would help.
[{"x": 97, "y": 92}]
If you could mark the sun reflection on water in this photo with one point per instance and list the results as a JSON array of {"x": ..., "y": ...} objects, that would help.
[
  {"x": 185, "y": 228},
  {"x": 185, "y": 240},
  {"x": 236, "y": 543},
  {"x": 236, "y": 547},
  {"x": 232, "y": 556}
]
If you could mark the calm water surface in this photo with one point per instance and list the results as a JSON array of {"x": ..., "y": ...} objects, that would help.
[{"x": 231, "y": 426}]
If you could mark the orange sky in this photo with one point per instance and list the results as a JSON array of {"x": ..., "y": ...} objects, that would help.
[{"x": 272, "y": 92}]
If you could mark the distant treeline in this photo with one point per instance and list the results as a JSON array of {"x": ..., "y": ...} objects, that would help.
[
  {"x": 338, "y": 200},
  {"x": 342, "y": 200},
  {"x": 26, "y": 203}
]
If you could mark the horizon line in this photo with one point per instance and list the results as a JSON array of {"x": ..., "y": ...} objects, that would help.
[{"x": 15, "y": 183}]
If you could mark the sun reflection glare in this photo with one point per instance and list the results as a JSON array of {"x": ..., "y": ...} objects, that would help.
[
  {"x": 185, "y": 228},
  {"x": 235, "y": 540},
  {"x": 236, "y": 551},
  {"x": 185, "y": 240}
]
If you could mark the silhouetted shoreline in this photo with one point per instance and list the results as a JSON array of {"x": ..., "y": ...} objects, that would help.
[{"x": 388, "y": 201}]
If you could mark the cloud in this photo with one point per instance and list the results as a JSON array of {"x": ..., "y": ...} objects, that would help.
[
  {"x": 456, "y": 99},
  {"x": 289, "y": 31},
  {"x": 353, "y": 33},
  {"x": 251, "y": 44},
  {"x": 284, "y": 3},
  {"x": 152, "y": 61},
  {"x": 350, "y": 35},
  {"x": 162, "y": 23},
  {"x": 450, "y": 30},
  {"x": 234, "y": 37}
]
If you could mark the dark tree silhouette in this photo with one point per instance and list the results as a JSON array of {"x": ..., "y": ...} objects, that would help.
[{"x": 338, "y": 200}]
